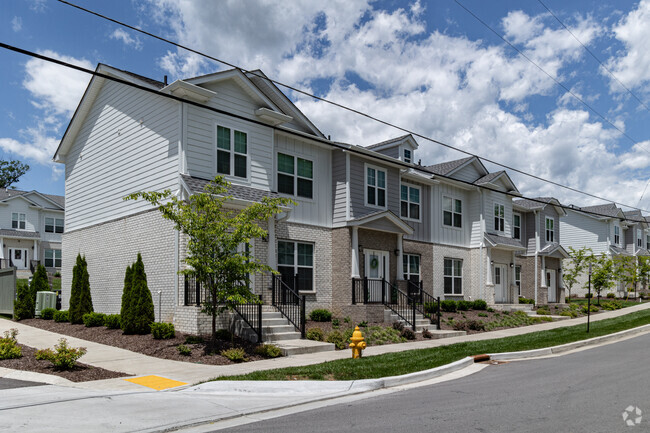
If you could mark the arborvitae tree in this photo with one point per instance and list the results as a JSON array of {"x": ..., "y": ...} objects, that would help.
[
  {"x": 80, "y": 299},
  {"x": 39, "y": 281},
  {"x": 126, "y": 293},
  {"x": 140, "y": 313},
  {"x": 25, "y": 303}
]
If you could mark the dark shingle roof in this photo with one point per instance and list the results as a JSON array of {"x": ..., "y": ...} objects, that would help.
[
  {"x": 532, "y": 204},
  {"x": 156, "y": 83},
  {"x": 619, "y": 251},
  {"x": 447, "y": 167},
  {"x": 505, "y": 241},
  {"x": 392, "y": 140},
  {"x": 608, "y": 209},
  {"x": 7, "y": 193},
  {"x": 19, "y": 234},
  {"x": 488, "y": 177},
  {"x": 197, "y": 185}
]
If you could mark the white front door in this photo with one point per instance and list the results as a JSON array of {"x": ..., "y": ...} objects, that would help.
[
  {"x": 18, "y": 258},
  {"x": 377, "y": 268},
  {"x": 551, "y": 284},
  {"x": 500, "y": 284}
]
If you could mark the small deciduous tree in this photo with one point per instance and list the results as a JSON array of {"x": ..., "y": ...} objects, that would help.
[
  {"x": 10, "y": 172},
  {"x": 578, "y": 262},
  {"x": 602, "y": 274},
  {"x": 80, "y": 298},
  {"x": 628, "y": 270},
  {"x": 139, "y": 314},
  {"x": 214, "y": 233}
]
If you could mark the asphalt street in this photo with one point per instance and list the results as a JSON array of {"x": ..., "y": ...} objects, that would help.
[
  {"x": 13, "y": 383},
  {"x": 586, "y": 391}
]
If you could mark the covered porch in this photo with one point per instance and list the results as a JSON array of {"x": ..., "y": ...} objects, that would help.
[{"x": 500, "y": 281}]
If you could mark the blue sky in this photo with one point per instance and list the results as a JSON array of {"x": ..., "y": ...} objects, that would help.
[{"x": 427, "y": 66}]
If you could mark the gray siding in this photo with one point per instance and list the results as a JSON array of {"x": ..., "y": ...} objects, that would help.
[
  {"x": 548, "y": 212},
  {"x": 358, "y": 206},
  {"x": 393, "y": 152},
  {"x": 579, "y": 230},
  {"x": 114, "y": 152},
  {"x": 530, "y": 222},
  {"x": 468, "y": 173},
  {"x": 421, "y": 229},
  {"x": 452, "y": 235},
  {"x": 339, "y": 196},
  {"x": 491, "y": 198}
]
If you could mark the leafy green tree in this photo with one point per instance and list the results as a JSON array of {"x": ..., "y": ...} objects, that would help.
[
  {"x": 80, "y": 298},
  {"x": 643, "y": 267},
  {"x": 214, "y": 233},
  {"x": 24, "y": 304},
  {"x": 579, "y": 260},
  {"x": 139, "y": 314},
  {"x": 10, "y": 172},
  {"x": 602, "y": 274},
  {"x": 626, "y": 269},
  {"x": 39, "y": 282},
  {"x": 126, "y": 293}
]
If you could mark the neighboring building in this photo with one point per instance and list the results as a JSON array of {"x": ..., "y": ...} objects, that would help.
[
  {"x": 30, "y": 230},
  {"x": 539, "y": 272}
]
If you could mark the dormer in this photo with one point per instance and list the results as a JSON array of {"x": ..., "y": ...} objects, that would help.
[{"x": 402, "y": 148}]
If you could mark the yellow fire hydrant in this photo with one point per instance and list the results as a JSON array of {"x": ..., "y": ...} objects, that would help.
[{"x": 356, "y": 343}]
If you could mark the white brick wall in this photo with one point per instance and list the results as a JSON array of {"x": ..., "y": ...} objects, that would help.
[{"x": 471, "y": 288}]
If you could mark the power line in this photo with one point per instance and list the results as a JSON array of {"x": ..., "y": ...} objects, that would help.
[
  {"x": 360, "y": 113},
  {"x": 348, "y": 148}
]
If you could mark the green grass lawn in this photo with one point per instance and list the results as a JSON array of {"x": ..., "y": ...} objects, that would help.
[
  {"x": 56, "y": 284},
  {"x": 594, "y": 301},
  {"x": 410, "y": 361}
]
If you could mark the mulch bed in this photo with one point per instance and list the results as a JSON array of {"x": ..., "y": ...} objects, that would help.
[
  {"x": 202, "y": 353},
  {"x": 80, "y": 373}
]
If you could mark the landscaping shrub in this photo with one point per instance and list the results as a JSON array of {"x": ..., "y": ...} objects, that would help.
[
  {"x": 593, "y": 309},
  {"x": 315, "y": 334},
  {"x": 523, "y": 300},
  {"x": 482, "y": 314},
  {"x": 337, "y": 338},
  {"x": 408, "y": 334},
  {"x": 398, "y": 326},
  {"x": 448, "y": 306},
  {"x": 61, "y": 316},
  {"x": 380, "y": 335},
  {"x": 184, "y": 350},
  {"x": 9, "y": 348},
  {"x": 48, "y": 313},
  {"x": 63, "y": 357},
  {"x": 490, "y": 310},
  {"x": 430, "y": 307},
  {"x": 163, "y": 331},
  {"x": 469, "y": 325},
  {"x": 320, "y": 315},
  {"x": 363, "y": 324},
  {"x": 610, "y": 306},
  {"x": 611, "y": 295},
  {"x": 80, "y": 299},
  {"x": 25, "y": 303},
  {"x": 193, "y": 339},
  {"x": 112, "y": 321},
  {"x": 268, "y": 350},
  {"x": 463, "y": 305},
  {"x": 589, "y": 295},
  {"x": 93, "y": 319},
  {"x": 336, "y": 323},
  {"x": 426, "y": 333},
  {"x": 236, "y": 354},
  {"x": 139, "y": 314},
  {"x": 126, "y": 292},
  {"x": 221, "y": 334},
  {"x": 569, "y": 313},
  {"x": 543, "y": 311},
  {"x": 479, "y": 304}
]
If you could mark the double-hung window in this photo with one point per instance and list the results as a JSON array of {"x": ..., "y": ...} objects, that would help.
[
  {"x": 408, "y": 155},
  {"x": 410, "y": 202},
  {"x": 516, "y": 226},
  {"x": 18, "y": 221},
  {"x": 518, "y": 279},
  {"x": 452, "y": 212},
  {"x": 295, "y": 176},
  {"x": 499, "y": 217},
  {"x": 647, "y": 242},
  {"x": 453, "y": 275},
  {"x": 375, "y": 187},
  {"x": 617, "y": 235},
  {"x": 52, "y": 258},
  {"x": 411, "y": 267},
  {"x": 54, "y": 225},
  {"x": 297, "y": 258},
  {"x": 232, "y": 149},
  {"x": 550, "y": 230},
  {"x": 639, "y": 239}
]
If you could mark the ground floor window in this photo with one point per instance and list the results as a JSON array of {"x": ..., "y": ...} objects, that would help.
[
  {"x": 518, "y": 279},
  {"x": 297, "y": 258},
  {"x": 52, "y": 258},
  {"x": 411, "y": 267},
  {"x": 453, "y": 274}
]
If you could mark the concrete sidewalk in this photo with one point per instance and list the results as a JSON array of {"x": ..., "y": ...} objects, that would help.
[{"x": 116, "y": 359}]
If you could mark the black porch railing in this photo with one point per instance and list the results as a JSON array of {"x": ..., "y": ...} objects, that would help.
[
  {"x": 287, "y": 300},
  {"x": 426, "y": 304},
  {"x": 195, "y": 293},
  {"x": 380, "y": 291}
]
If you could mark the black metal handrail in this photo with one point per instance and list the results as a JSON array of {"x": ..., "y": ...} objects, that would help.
[
  {"x": 401, "y": 304},
  {"x": 368, "y": 291},
  {"x": 379, "y": 291},
  {"x": 289, "y": 302},
  {"x": 426, "y": 304},
  {"x": 195, "y": 293},
  {"x": 251, "y": 314}
]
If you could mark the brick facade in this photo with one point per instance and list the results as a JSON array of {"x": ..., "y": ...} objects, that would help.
[{"x": 528, "y": 279}]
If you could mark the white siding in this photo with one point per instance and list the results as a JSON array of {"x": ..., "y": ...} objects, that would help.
[
  {"x": 582, "y": 231},
  {"x": 50, "y": 237},
  {"x": 128, "y": 143},
  {"x": 19, "y": 205},
  {"x": 492, "y": 198}
]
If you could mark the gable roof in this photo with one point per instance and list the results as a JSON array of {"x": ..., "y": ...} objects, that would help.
[
  {"x": 535, "y": 204},
  {"x": 400, "y": 225},
  {"x": 609, "y": 209},
  {"x": 491, "y": 177},
  {"x": 197, "y": 185},
  {"x": 394, "y": 142},
  {"x": 448, "y": 167},
  {"x": 57, "y": 201},
  {"x": 503, "y": 242}
]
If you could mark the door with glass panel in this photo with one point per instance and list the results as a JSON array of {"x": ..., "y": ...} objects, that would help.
[{"x": 377, "y": 270}]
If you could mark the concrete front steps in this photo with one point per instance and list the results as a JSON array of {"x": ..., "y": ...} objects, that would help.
[{"x": 421, "y": 323}]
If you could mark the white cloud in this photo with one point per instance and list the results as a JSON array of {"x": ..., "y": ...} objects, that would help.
[
  {"x": 16, "y": 24},
  {"x": 126, "y": 39}
]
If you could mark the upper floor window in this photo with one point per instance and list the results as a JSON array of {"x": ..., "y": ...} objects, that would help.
[
  {"x": 295, "y": 176},
  {"x": 410, "y": 202},
  {"x": 550, "y": 230},
  {"x": 411, "y": 267},
  {"x": 408, "y": 155},
  {"x": 18, "y": 221},
  {"x": 617, "y": 235},
  {"x": 52, "y": 258},
  {"x": 452, "y": 212},
  {"x": 639, "y": 239},
  {"x": 232, "y": 147},
  {"x": 375, "y": 187},
  {"x": 499, "y": 217},
  {"x": 647, "y": 242},
  {"x": 54, "y": 225},
  {"x": 516, "y": 226}
]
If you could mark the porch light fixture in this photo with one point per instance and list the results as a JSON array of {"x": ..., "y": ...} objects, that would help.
[
  {"x": 396, "y": 252},
  {"x": 492, "y": 262},
  {"x": 360, "y": 248},
  {"x": 512, "y": 265}
]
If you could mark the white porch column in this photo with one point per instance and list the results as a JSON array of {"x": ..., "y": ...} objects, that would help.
[
  {"x": 488, "y": 275},
  {"x": 355, "y": 253},
  {"x": 270, "y": 253},
  {"x": 35, "y": 256},
  {"x": 543, "y": 271},
  {"x": 513, "y": 285},
  {"x": 2, "y": 248},
  {"x": 400, "y": 257}
]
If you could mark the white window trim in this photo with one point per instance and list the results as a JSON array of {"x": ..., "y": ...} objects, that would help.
[
  {"x": 442, "y": 207},
  {"x": 514, "y": 226},
  {"x": 615, "y": 235},
  {"x": 462, "y": 277},
  {"x": 54, "y": 225},
  {"x": 501, "y": 206},
  {"x": 639, "y": 239},
  {"x": 53, "y": 257},
  {"x": 295, "y": 195},
  {"x": 365, "y": 185},
  {"x": 518, "y": 280},
  {"x": 24, "y": 220},
  {"x": 232, "y": 177},
  {"x": 407, "y": 160},
  {"x": 408, "y": 273},
  {"x": 409, "y": 185},
  {"x": 295, "y": 261},
  {"x": 647, "y": 242},
  {"x": 546, "y": 231}
]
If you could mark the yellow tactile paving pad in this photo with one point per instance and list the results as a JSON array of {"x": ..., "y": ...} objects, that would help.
[{"x": 156, "y": 382}]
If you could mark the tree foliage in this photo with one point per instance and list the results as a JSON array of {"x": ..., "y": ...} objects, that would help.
[
  {"x": 80, "y": 299},
  {"x": 602, "y": 274},
  {"x": 139, "y": 312},
  {"x": 579, "y": 261},
  {"x": 25, "y": 302},
  {"x": 11, "y": 171},
  {"x": 214, "y": 234},
  {"x": 126, "y": 292}
]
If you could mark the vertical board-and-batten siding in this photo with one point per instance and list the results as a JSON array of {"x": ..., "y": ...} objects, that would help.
[
  {"x": 579, "y": 230},
  {"x": 114, "y": 152},
  {"x": 339, "y": 195},
  {"x": 469, "y": 173},
  {"x": 549, "y": 212},
  {"x": 445, "y": 234},
  {"x": 422, "y": 228},
  {"x": 492, "y": 198},
  {"x": 358, "y": 206}
]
